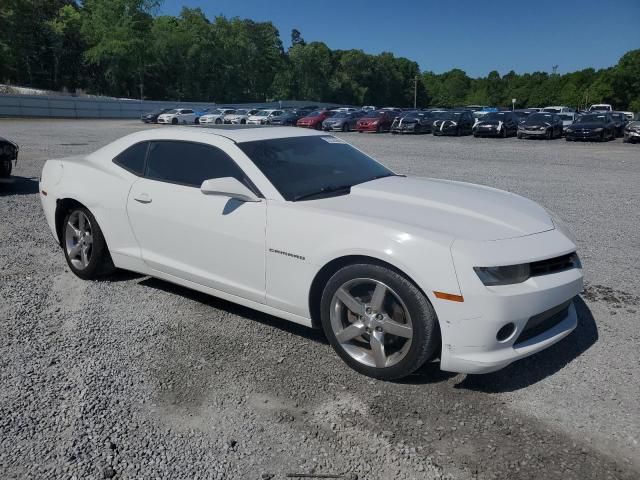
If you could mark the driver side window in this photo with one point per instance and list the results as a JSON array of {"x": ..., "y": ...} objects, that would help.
[{"x": 190, "y": 164}]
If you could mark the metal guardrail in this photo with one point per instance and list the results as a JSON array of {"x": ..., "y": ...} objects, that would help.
[{"x": 50, "y": 106}]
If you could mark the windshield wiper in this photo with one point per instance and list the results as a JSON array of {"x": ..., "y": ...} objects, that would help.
[{"x": 330, "y": 189}]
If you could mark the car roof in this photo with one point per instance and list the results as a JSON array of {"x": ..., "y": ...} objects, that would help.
[{"x": 248, "y": 133}]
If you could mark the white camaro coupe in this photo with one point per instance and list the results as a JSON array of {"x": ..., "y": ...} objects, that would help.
[{"x": 397, "y": 270}]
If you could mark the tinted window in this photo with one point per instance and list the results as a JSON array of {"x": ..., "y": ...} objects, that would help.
[
  {"x": 190, "y": 163},
  {"x": 132, "y": 158}
]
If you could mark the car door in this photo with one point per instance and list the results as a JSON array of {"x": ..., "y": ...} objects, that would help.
[{"x": 211, "y": 240}]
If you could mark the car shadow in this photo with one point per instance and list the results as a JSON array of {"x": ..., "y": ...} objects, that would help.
[
  {"x": 313, "y": 334},
  {"x": 18, "y": 186},
  {"x": 535, "y": 368}
]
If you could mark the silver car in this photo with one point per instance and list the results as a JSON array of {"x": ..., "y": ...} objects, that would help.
[
  {"x": 342, "y": 121},
  {"x": 240, "y": 116}
]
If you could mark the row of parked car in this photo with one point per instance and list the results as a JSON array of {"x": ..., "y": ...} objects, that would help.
[{"x": 600, "y": 122}]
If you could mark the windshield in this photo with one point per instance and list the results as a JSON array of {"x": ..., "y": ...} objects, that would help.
[
  {"x": 566, "y": 116},
  {"x": 262, "y": 113},
  {"x": 341, "y": 115},
  {"x": 591, "y": 119},
  {"x": 617, "y": 116},
  {"x": 172, "y": 111},
  {"x": 241, "y": 112},
  {"x": 302, "y": 166},
  {"x": 446, "y": 115},
  {"x": 374, "y": 114},
  {"x": 552, "y": 110},
  {"x": 540, "y": 117},
  {"x": 317, "y": 113},
  {"x": 499, "y": 116}
]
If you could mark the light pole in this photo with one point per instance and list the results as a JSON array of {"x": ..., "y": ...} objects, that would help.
[{"x": 415, "y": 92}]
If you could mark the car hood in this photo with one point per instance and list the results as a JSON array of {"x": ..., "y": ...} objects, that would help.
[
  {"x": 457, "y": 209},
  {"x": 536, "y": 124}
]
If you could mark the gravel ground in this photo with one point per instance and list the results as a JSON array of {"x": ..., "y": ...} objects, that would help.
[{"x": 133, "y": 377}]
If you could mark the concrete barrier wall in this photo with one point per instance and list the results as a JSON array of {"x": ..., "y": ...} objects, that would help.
[{"x": 92, "y": 107}]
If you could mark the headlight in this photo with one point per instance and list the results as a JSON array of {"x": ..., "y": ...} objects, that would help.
[
  {"x": 506, "y": 275},
  {"x": 598, "y": 129},
  {"x": 374, "y": 123}
]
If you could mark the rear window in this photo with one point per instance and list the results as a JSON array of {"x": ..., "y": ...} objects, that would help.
[{"x": 132, "y": 159}]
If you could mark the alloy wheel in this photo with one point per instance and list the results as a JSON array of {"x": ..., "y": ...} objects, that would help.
[
  {"x": 79, "y": 240},
  {"x": 371, "y": 322}
]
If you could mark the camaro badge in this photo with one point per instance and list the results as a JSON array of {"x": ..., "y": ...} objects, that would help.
[{"x": 287, "y": 254}]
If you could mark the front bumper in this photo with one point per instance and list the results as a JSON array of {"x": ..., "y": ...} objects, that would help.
[
  {"x": 469, "y": 329},
  {"x": 308, "y": 125},
  {"x": 367, "y": 127},
  {"x": 487, "y": 132},
  {"x": 332, "y": 127},
  {"x": 405, "y": 128},
  {"x": 583, "y": 135},
  {"x": 532, "y": 133},
  {"x": 630, "y": 136}
]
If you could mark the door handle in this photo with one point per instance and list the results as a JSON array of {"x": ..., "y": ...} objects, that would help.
[{"x": 142, "y": 198}]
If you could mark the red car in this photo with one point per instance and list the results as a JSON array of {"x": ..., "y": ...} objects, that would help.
[
  {"x": 376, "y": 121},
  {"x": 314, "y": 119}
]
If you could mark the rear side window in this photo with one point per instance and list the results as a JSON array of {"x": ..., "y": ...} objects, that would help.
[
  {"x": 190, "y": 164},
  {"x": 132, "y": 159}
]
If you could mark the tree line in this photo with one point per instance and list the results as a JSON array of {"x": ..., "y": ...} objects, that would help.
[{"x": 124, "y": 48}]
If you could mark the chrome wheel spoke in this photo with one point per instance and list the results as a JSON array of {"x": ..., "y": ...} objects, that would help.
[
  {"x": 350, "y": 302},
  {"x": 350, "y": 332},
  {"x": 81, "y": 222},
  {"x": 399, "y": 329},
  {"x": 75, "y": 250},
  {"x": 76, "y": 231},
  {"x": 377, "y": 298},
  {"x": 377, "y": 348},
  {"x": 85, "y": 256}
]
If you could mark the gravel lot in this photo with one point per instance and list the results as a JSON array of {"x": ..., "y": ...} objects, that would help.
[{"x": 133, "y": 377}]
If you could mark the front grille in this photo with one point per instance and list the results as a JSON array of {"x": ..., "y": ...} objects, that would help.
[
  {"x": 542, "y": 322},
  {"x": 553, "y": 265}
]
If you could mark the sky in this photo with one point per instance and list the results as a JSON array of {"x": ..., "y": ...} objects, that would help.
[{"x": 475, "y": 36}]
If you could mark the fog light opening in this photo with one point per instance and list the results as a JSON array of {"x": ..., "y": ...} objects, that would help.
[{"x": 505, "y": 332}]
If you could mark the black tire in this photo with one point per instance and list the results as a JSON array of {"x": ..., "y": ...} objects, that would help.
[
  {"x": 243, "y": 122},
  {"x": 504, "y": 132},
  {"x": 218, "y": 121},
  {"x": 318, "y": 126},
  {"x": 5, "y": 168},
  {"x": 378, "y": 129},
  {"x": 519, "y": 135},
  {"x": 425, "y": 339},
  {"x": 197, "y": 121},
  {"x": 549, "y": 134},
  {"x": 100, "y": 263},
  {"x": 345, "y": 127},
  {"x": 174, "y": 121}
]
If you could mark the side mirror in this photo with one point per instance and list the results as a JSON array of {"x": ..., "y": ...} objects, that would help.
[{"x": 228, "y": 187}]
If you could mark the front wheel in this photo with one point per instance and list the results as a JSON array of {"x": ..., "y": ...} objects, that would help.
[
  {"x": 84, "y": 245},
  {"x": 174, "y": 121},
  {"x": 218, "y": 121},
  {"x": 378, "y": 321},
  {"x": 549, "y": 134}
]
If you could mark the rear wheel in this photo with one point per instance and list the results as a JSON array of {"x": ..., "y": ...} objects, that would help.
[
  {"x": 85, "y": 249},
  {"x": 378, "y": 322}
]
